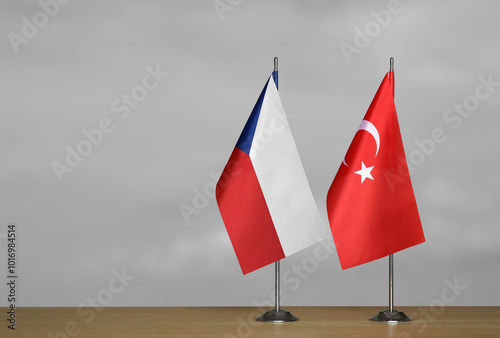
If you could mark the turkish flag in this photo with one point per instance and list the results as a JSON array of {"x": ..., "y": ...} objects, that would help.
[{"x": 371, "y": 205}]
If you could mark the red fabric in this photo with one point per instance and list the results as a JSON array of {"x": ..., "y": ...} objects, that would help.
[
  {"x": 246, "y": 216},
  {"x": 378, "y": 217}
]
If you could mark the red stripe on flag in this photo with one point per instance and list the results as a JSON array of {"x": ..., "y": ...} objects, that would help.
[{"x": 245, "y": 214}]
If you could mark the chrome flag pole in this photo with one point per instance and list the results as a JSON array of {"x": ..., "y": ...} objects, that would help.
[
  {"x": 277, "y": 315},
  {"x": 391, "y": 315},
  {"x": 391, "y": 283}
]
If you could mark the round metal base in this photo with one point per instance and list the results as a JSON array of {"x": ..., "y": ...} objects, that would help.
[
  {"x": 391, "y": 317},
  {"x": 280, "y": 316}
]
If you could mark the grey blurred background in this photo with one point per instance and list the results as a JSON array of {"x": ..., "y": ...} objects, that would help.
[{"x": 119, "y": 210}]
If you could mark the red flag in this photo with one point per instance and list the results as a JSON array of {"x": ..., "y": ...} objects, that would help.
[{"x": 371, "y": 205}]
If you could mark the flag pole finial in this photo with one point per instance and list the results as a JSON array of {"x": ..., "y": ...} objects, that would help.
[
  {"x": 275, "y": 64},
  {"x": 391, "y": 64}
]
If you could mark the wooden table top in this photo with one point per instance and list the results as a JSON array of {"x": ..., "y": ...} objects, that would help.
[{"x": 240, "y": 322}]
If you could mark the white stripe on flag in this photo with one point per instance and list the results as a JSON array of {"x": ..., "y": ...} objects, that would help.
[{"x": 282, "y": 178}]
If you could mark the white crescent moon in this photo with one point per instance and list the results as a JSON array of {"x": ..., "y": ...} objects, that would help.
[{"x": 369, "y": 127}]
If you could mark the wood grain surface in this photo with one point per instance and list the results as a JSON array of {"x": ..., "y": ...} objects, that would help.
[{"x": 240, "y": 322}]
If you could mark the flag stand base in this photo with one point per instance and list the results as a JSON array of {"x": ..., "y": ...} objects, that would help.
[
  {"x": 387, "y": 316},
  {"x": 277, "y": 316}
]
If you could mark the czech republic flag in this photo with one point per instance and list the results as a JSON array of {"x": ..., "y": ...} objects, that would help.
[{"x": 263, "y": 194}]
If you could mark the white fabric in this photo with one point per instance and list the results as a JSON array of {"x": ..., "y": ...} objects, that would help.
[{"x": 282, "y": 178}]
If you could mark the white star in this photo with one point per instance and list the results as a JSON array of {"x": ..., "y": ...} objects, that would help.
[{"x": 364, "y": 172}]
